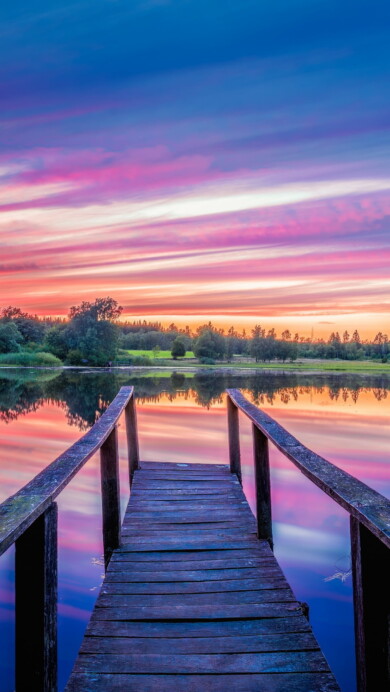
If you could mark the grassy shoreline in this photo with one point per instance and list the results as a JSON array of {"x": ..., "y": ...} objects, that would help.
[{"x": 310, "y": 367}]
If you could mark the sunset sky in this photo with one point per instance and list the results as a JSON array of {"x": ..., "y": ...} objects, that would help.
[{"x": 223, "y": 159}]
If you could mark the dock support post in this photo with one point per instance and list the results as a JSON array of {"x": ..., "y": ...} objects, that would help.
[
  {"x": 36, "y": 605},
  {"x": 234, "y": 439},
  {"x": 263, "y": 485},
  {"x": 371, "y": 579},
  {"x": 132, "y": 437},
  {"x": 111, "y": 509}
]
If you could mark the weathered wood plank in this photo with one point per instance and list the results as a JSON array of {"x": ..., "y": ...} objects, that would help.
[
  {"x": 193, "y": 510},
  {"x": 205, "y": 628},
  {"x": 260, "y": 549},
  {"x": 199, "y": 504},
  {"x": 195, "y": 612},
  {"x": 183, "y": 543},
  {"x": 261, "y": 582},
  {"x": 108, "y": 599},
  {"x": 188, "y": 466},
  {"x": 146, "y": 492},
  {"x": 182, "y": 475},
  {"x": 268, "y": 682},
  {"x": 212, "y": 533},
  {"x": 191, "y": 565},
  {"x": 170, "y": 484},
  {"x": 132, "y": 575},
  {"x": 244, "y": 525},
  {"x": 297, "y": 641},
  {"x": 268, "y": 662}
]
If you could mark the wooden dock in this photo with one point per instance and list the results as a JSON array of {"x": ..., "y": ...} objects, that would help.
[{"x": 193, "y": 598}]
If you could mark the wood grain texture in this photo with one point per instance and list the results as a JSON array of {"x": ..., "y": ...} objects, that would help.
[
  {"x": 288, "y": 682},
  {"x": 36, "y": 605},
  {"x": 371, "y": 609},
  {"x": 111, "y": 510},
  {"x": 192, "y": 599},
  {"x": 269, "y": 662}
]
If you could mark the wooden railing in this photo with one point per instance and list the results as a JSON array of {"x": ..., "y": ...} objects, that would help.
[
  {"x": 369, "y": 524},
  {"x": 29, "y": 519}
]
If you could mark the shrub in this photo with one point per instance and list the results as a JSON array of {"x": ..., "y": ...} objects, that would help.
[
  {"x": 74, "y": 357},
  {"x": 141, "y": 360},
  {"x": 29, "y": 359},
  {"x": 178, "y": 349}
]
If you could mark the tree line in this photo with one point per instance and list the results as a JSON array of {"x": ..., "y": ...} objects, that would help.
[{"x": 94, "y": 335}]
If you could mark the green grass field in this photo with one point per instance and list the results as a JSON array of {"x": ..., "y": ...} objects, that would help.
[
  {"x": 302, "y": 365},
  {"x": 162, "y": 355}
]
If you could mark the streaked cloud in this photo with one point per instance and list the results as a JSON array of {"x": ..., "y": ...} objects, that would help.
[{"x": 197, "y": 159}]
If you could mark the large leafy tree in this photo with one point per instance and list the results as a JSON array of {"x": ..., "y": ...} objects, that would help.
[
  {"x": 31, "y": 329},
  {"x": 102, "y": 309},
  {"x": 92, "y": 337},
  {"x": 210, "y": 345}
]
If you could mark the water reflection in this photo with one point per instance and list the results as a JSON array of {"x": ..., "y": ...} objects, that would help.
[
  {"x": 85, "y": 395},
  {"x": 343, "y": 417}
]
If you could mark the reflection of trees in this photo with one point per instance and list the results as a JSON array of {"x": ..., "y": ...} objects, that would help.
[
  {"x": 21, "y": 392},
  {"x": 84, "y": 396}
]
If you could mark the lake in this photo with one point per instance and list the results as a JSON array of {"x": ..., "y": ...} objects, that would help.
[{"x": 182, "y": 418}]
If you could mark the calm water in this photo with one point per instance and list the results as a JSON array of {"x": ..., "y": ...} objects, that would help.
[{"x": 344, "y": 418}]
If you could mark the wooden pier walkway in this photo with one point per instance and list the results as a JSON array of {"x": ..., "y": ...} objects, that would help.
[{"x": 192, "y": 600}]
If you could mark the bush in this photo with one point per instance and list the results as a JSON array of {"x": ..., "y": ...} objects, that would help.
[
  {"x": 133, "y": 360},
  {"x": 140, "y": 360},
  {"x": 74, "y": 357},
  {"x": 29, "y": 359},
  {"x": 207, "y": 361}
]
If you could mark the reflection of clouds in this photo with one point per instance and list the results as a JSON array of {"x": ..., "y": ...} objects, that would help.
[
  {"x": 308, "y": 545},
  {"x": 69, "y": 611}
]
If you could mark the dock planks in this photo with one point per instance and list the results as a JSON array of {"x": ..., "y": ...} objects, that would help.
[{"x": 192, "y": 600}]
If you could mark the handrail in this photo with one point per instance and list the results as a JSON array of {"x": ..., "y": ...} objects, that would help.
[
  {"x": 29, "y": 519},
  {"x": 369, "y": 526},
  {"x": 368, "y": 506},
  {"x": 19, "y": 511}
]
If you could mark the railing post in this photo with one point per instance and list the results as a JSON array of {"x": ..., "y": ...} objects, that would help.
[
  {"x": 109, "y": 467},
  {"x": 263, "y": 485},
  {"x": 36, "y": 605},
  {"x": 371, "y": 579},
  {"x": 132, "y": 437},
  {"x": 234, "y": 438}
]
